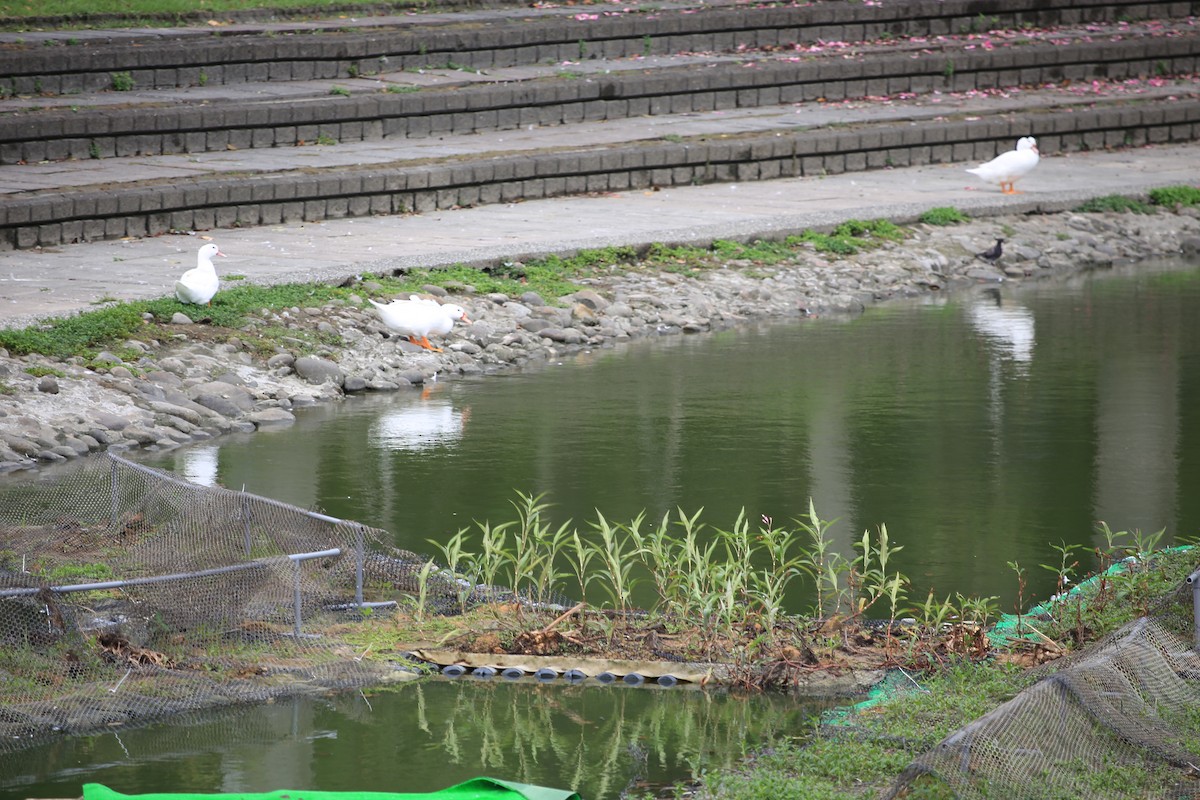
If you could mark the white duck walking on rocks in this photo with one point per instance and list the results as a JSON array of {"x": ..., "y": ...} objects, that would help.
[
  {"x": 199, "y": 284},
  {"x": 418, "y": 318},
  {"x": 1007, "y": 168}
]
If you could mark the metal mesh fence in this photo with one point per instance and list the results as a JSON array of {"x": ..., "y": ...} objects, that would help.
[
  {"x": 1120, "y": 719},
  {"x": 127, "y": 594}
]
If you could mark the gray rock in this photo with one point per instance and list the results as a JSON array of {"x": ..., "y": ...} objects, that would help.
[
  {"x": 173, "y": 364},
  {"x": 222, "y": 405},
  {"x": 319, "y": 370},
  {"x": 79, "y": 446},
  {"x": 150, "y": 390},
  {"x": 229, "y": 391},
  {"x": 19, "y": 445},
  {"x": 172, "y": 410},
  {"x": 1190, "y": 245},
  {"x": 271, "y": 417},
  {"x": 179, "y": 318},
  {"x": 535, "y": 324},
  {"x": 48, "y": 385},
  {"x": 50, "y": 455},
  {"x": 592, "y": 300},
  {"x": 532, "y": 299},
  {"x": 281, "y": 360},
  {"x": 103, "y": 437},
  {"x": 64, "y": 451},
  {"x": 354, "y": 383},
  {"x": 121, "y": 372},
  {"x": 564, "y": 335},
  {"x": 140, "y": 435},
  {"x": 163, "y": 378}
]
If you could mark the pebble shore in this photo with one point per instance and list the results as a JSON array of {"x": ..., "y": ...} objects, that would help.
[{"x": 192, "y": 387}]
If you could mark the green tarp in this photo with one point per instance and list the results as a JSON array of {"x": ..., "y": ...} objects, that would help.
[{"x": 474, "y": 789}]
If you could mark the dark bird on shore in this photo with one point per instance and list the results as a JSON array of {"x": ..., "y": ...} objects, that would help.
[{"x": 993, "y": 253}]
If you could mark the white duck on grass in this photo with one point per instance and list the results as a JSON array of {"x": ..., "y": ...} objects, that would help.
[
  {"x": 1007, "y": 168},
  {"x": 418, "y": 318},
  {"x": 199, "y": 284}
]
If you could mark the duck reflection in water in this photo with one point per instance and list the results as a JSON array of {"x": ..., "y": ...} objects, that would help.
[
  {"x": 428, "y": 423},
  {"x": 1005, "y": 324}
]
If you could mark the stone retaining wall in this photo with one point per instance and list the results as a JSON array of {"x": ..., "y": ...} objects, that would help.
[
  {"x": 140, "y": 210},
  {"x": 116, "y": 132},
  {"x": 180, "y": 58}
]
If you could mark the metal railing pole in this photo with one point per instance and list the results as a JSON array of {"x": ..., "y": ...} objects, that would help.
[
  {"x": 1194, "y": 581},
  {"x": 115, "y": 493},
  {"x": 296, "y": 604},
  {"x": 358, "y": 567}
]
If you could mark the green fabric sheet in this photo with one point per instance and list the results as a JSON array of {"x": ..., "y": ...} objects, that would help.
[{"x": 474, "y": 789}]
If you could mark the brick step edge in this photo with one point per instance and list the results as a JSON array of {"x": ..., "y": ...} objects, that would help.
[
  {"x": 108, "y": 133},
  {"x": 212, "y": 59},
  {"x": 56, "y": 218}
]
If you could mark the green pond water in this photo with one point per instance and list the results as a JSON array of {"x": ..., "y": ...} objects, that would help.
[
  {"x": 423, "y": 737},
  {"x": 982, "y": 429}
]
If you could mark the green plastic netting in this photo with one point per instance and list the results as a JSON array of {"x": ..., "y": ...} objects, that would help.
[{"x": 474, "y": 789}]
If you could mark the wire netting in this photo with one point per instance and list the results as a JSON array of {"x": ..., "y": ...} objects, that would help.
[
  {"x": 1119, "y": 719},
  {"x": 127, "y": 594}
]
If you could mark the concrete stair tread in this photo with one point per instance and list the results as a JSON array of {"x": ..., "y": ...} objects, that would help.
[{"x": 115, "y": 173}]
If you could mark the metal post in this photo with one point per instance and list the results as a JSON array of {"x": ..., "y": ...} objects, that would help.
[
  {"x": 246, "y": 520},
  {"x": 296, "y": 597},
  {"x": 358, "y": 567},
  {"x": 1194, "y": 581},
  {"x": 115, "y": 496}
]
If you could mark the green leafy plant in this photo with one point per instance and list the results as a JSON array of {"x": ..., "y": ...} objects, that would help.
[
  {"x": 41, "y": 371},
  {"x": 121, "y": 81},
  {"x": 1115, "y": 203},
  {"x": 943, "y": 215},
  {"x": 341, "y": 91},
  {"x": 1175, "y": 196}
]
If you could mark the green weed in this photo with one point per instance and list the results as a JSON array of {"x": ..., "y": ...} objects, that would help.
[
  {"x": 41, "y": 371},
  {"x": 1115, "y": 203},
  {"x": 943, "y": 215},
  {"x": 1175, "y": 196},
  {"x": 121, "y": 81}
]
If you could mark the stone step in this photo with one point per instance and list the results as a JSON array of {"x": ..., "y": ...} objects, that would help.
[
  {"x": 290, "y": 114},
  {"x": 343, "y": 182},
  {"x": 74, "y": 62}
]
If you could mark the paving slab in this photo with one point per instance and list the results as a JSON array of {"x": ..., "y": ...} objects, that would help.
[{"x": 60, "y": 281}]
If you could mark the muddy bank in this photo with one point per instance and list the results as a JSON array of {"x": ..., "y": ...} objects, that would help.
[{"x": 201, "y": 382}]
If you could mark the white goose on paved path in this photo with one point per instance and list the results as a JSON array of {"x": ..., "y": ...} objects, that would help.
[
  {"x": 199, "y": 284},
  {"x": 417, "y": 318},
  {"x": 1007, "y": 168}
]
